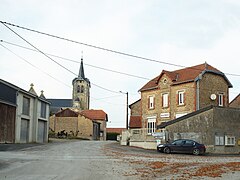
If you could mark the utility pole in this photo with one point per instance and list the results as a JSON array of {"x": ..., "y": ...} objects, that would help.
[
  {"x": 127, "y": 113},
  {"x": 126, "y": 109}
]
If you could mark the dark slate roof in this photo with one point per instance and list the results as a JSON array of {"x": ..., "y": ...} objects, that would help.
[
  {"x": 8, "y": 92},
  {"x": 60, "y": 102},
  {"x": 81, "y": 71},
  {"x": 81, "y": 75}
]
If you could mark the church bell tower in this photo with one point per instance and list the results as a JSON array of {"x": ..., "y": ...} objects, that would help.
[{"x": 81, "y": 90}]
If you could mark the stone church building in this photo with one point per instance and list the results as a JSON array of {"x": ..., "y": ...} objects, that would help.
[
  {"x": 80, "y": 94},
  {"x": 74, "y": 116}
]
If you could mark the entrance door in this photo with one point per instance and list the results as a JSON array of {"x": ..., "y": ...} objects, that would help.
[
  {"x": 24, "y": 134},
  {"x": 41, "y": 131},
  {"x": 7, "y": 123},
  {"x": 96, "y": 131}
]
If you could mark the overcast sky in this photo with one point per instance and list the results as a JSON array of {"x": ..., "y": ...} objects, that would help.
[{"x": 186, "y": 32}]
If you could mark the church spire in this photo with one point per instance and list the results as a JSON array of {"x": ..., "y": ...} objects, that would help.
[{"x": 81, "y": 70}]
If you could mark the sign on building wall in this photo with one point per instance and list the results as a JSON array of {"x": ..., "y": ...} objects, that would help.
[{"x": 165, "y": 115}]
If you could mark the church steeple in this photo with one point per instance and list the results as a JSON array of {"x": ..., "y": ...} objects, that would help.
[
  {"x": 81, "y": 70},
  {"x": 81, "y": 90}
]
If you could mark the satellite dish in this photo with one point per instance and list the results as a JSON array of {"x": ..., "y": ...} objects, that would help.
[{"x": 213, "y": 97}]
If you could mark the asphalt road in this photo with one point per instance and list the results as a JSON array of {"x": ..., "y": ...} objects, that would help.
[
  {"x": 60, "y": 160},
  {"x": 77, "y": 160}
]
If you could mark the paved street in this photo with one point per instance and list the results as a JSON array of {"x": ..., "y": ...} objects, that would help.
[
  {"x": 70, "y": 159},
  {"x": 65, "y": 160}
]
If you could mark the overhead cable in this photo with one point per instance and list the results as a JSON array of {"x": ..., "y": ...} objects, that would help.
[
  {"x": 54, "y": 60},
  {"x": 102, "y": 48}
]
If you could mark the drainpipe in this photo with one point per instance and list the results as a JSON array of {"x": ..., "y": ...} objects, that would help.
[{"x": 197, "y": 96}]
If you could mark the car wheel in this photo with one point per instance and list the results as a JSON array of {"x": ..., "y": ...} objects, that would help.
[
  {"x": 196, "y": 151},
  {"x": 167, "y": 150}
]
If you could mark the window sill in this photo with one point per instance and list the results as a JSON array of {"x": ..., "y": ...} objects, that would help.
[
  {"x": 181, "y": 105},
  {"x": 165, "y": 107}
]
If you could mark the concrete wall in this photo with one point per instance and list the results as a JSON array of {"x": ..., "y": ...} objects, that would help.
[
  {"x": 205, "y": 126},
  {"x": 32, "y": 118}
]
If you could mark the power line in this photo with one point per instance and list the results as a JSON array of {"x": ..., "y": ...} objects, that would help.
[
  {"x": 54, "y": 60},
  {"x": 89, "y": 45},
  {"x": 4, "y": 23},
  {"x": 101, "y": 48},
  {"x": 54, "y": 77},
  {"x": 78, "y": 62},
  {"x": 34, "y": 65},
  {"x": 74, "y": 61}
]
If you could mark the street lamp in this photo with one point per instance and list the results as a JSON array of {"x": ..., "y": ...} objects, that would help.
[{"x": 126, "y": 109}]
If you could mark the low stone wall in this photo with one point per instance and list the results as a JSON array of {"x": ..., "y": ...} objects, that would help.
[{"x": 145, "y": 145}]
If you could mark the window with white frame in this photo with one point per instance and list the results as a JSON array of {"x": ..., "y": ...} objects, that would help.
[
  {"x": 151, "y": 125},
  {"x": 180, "y": 97},
  {"x": 220, "y": 99},
  {"x": 165, "y": 100},
  {"x": 151, "y": 102},
  {"x": 230, "y": 140}
]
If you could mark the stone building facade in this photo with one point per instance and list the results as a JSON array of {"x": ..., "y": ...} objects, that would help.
[
  {"x": 135, "y": 115},
  {"x": 81, "y": 90},
  {"x": 235, "y": 103},
  {"x": 173, "y": 94},
  {"x": 80, "y": 94},
  {"x": 87, "y": 124}
]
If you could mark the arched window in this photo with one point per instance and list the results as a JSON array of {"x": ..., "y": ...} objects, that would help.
[
  {"x": 82, "y": 89},
  {"x": 78, "y": 89}
]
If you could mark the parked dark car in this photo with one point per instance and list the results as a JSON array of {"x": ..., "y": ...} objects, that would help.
[{"x": 182, "y": 146}]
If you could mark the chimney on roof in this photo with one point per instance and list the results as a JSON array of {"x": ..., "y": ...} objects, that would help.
[
  {"x": 206, "y": 65},
  {"x": 177, "y": 76}
]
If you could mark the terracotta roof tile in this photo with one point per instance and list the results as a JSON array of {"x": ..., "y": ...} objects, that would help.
[
  {"x": 115, "y": 130},
  {"x": 94, "y": 114},
  {"x": 180, "y": 76},
  {"x": 135, "y": 122}
]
